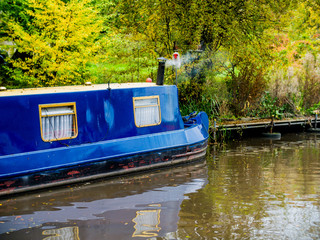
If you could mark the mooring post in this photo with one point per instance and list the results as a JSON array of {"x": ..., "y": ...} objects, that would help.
[
  {"x": 271, "y": 128},
  {"x": 316, "y": 119},
  {"x": 214, "y": 130}
]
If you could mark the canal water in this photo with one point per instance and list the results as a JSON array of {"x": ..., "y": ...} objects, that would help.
[{"x": 252, "y": 189}]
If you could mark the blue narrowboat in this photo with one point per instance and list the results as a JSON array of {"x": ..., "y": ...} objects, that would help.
[{"x": 61, "y": 135}]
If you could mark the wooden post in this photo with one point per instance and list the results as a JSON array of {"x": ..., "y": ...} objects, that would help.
[
  {"x": 214, "y": 130},
  {"x": 271, "y": 124},
  {"x": 316, "y": 112}
]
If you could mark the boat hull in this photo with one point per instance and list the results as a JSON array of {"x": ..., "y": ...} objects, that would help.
[{"x": 102, "y": 169}]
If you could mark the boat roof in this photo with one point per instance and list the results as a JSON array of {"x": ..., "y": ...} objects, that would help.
[{"x": 75, "y": 88}]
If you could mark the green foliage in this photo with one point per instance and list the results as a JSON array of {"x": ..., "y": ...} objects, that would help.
[
  {"x": 53, "y": 44},
  {"x": 250, "y": 47},
  {"x": 126, "y": 60},
  {"x": 202, "y": 87},
  {"x": 310, "y": 81},
  {"x": 246, "y": 84},
  {"x": 189, "y": 95},
  {"x": 168, "y": 25},
  {"x": 311, "y": 110},
  {"x": 269, "y": 108}
]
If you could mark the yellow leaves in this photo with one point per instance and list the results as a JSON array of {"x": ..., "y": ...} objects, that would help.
[{"x": 60, "y": 38}]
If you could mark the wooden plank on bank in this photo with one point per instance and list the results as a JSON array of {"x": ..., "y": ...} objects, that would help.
[{"x": 263, "y": 123}]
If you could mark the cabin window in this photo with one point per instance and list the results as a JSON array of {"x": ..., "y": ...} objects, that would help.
[
  {"x": 147, "y": 111},
  {"x": 58, "y": 121}
]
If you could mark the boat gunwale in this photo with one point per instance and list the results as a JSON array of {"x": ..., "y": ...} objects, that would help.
[{"x": 74, "y": 88}]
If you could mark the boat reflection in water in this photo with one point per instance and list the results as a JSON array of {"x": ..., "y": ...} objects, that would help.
[
  {"x": 140, "y": 206},
  {"x": 147, "y": 222},
  {"x": 62, "y": 233}
]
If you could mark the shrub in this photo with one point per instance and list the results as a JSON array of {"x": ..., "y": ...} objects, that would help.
[
  {"x": 310, "y": 80},
  {"x": 245, "y": 84}
]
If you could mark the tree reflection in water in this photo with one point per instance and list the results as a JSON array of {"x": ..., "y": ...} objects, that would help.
[{"x": 258, "y": 189}]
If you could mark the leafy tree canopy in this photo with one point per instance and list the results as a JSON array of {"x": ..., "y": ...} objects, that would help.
[{"x": 52, "y": 40}]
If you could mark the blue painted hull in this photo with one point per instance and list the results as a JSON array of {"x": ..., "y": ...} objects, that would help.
[
  {"x": 103, "y": 168},
  {"x": 36, "y": 164}
]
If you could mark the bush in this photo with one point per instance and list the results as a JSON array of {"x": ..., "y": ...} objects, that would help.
[
  {"x": 245, "y": 84},
  {"x": 310, "y": 81},
  {"x": 52, "y": 44}
]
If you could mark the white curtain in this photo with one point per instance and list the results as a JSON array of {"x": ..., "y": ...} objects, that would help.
[
  {"x": 147, "y": 112},
  {"x": 57, "y": 127}
]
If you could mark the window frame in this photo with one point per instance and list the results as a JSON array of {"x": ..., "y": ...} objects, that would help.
[
  {"x": 52, "y": 105},
  {"x": 135, "y": 107}
]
